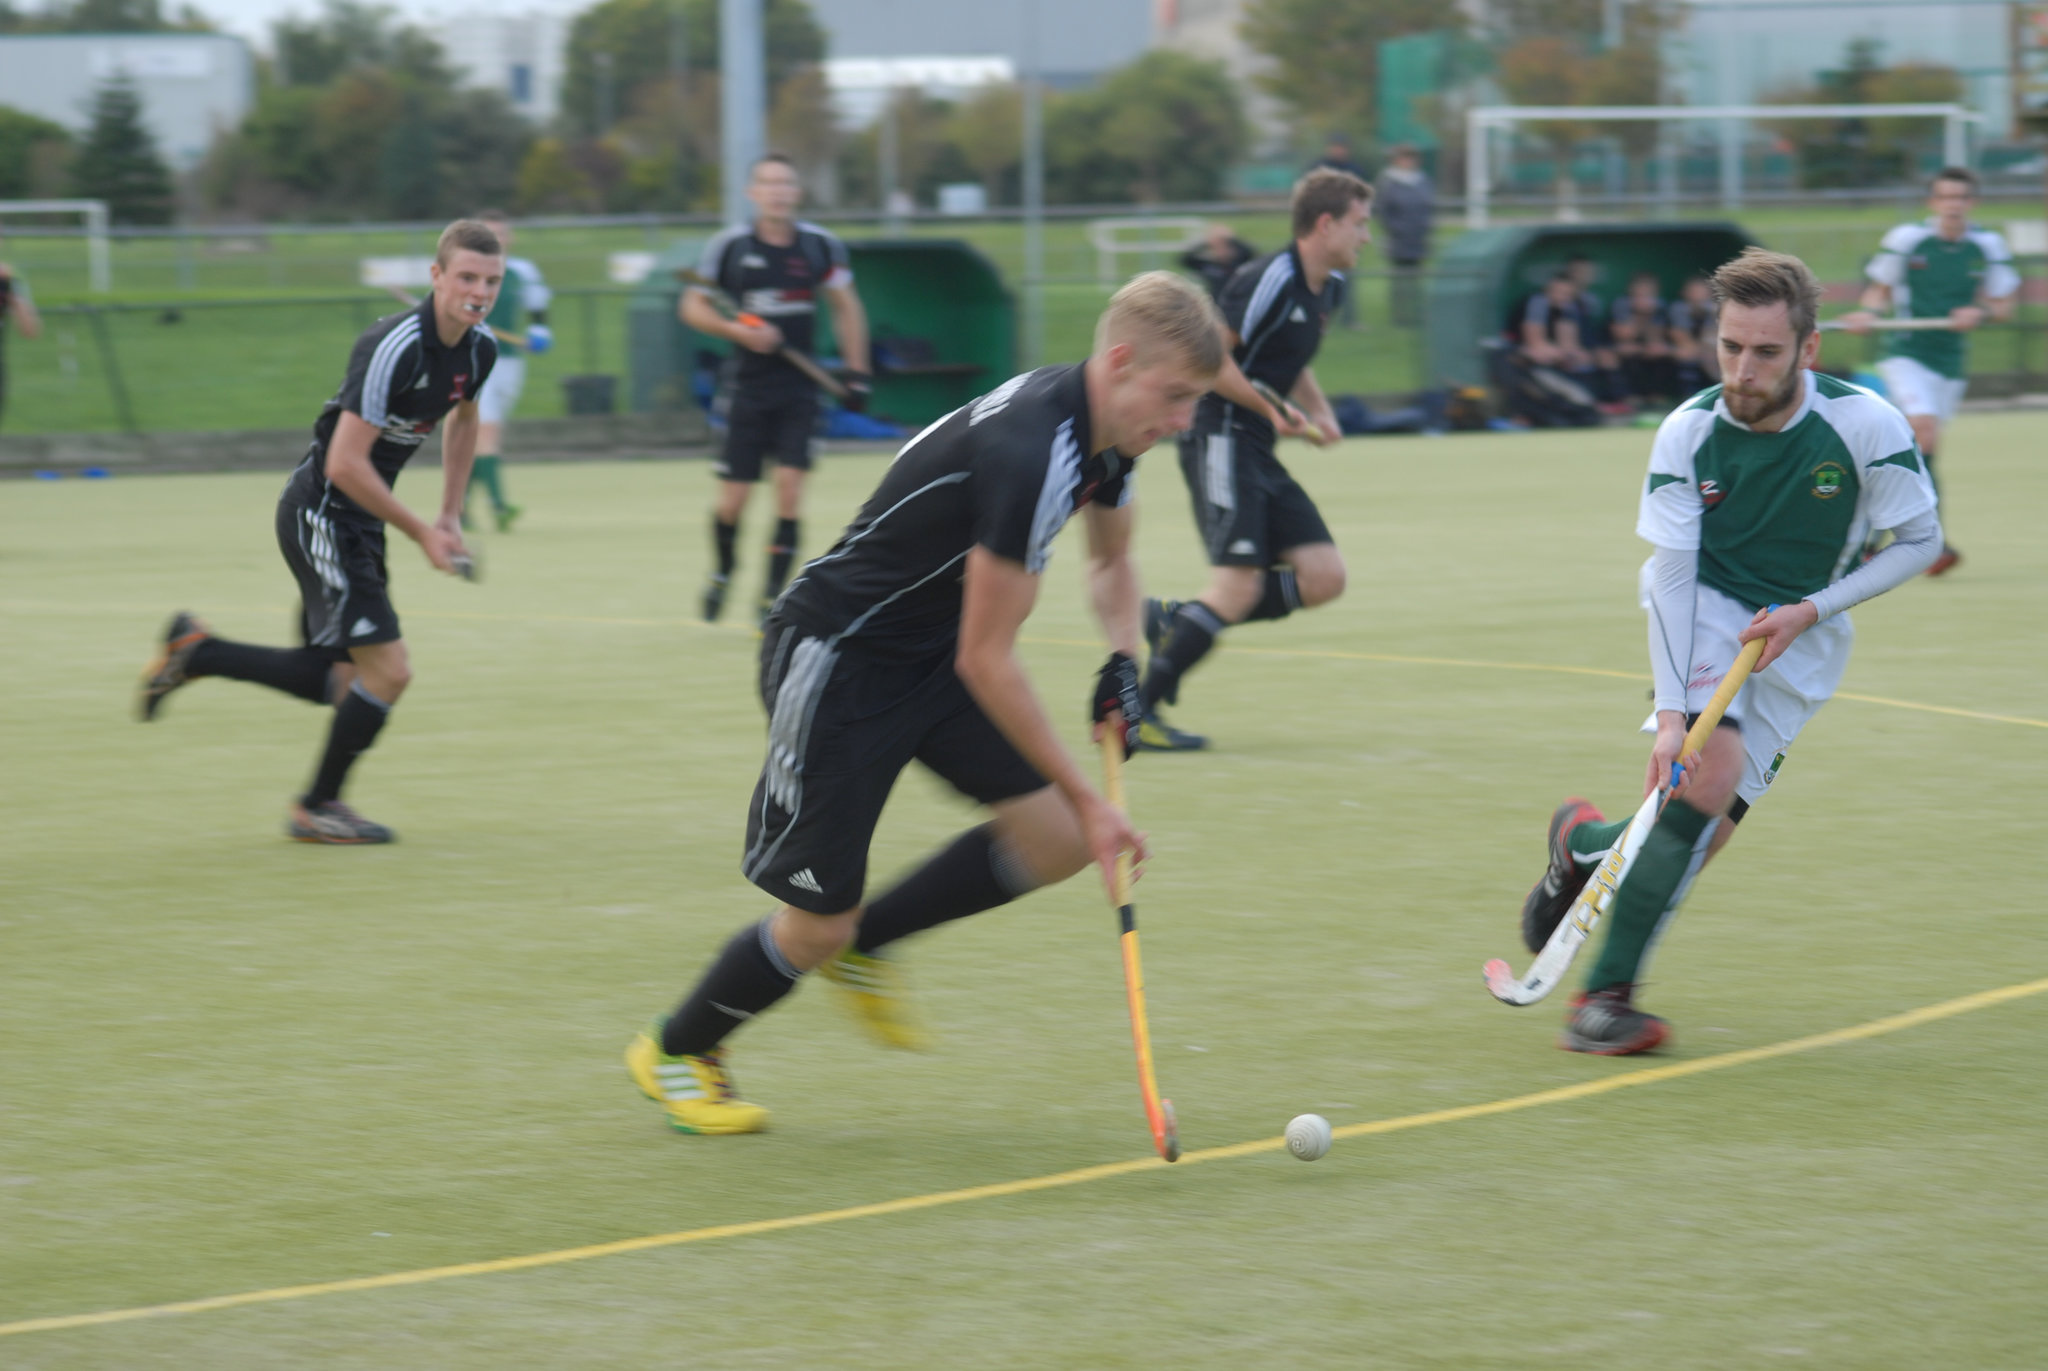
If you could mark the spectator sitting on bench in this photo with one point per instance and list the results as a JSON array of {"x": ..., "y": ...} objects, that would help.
[
  {"x": 1695, "y": 337},
  {"x": 1640, "y": 327},
  {"x": 1548, "y": 331}
]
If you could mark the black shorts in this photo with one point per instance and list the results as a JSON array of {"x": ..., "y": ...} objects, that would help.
[
  {"x": 842, "y": 725},
  {"x": 767, "y": 426},
  {"x": 339, "y": 563},
  {"x": 1249, "y": 510}
]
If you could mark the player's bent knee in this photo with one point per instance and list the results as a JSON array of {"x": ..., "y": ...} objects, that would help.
[{"x": 808, "y": 940}]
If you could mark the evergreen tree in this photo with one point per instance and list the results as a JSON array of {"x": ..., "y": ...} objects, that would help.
[{"x": 119, "y": 163}]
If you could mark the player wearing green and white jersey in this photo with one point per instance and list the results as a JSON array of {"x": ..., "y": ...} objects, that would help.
[
  {"x": 519, "y": 320},
  {"x": 1941, "y": 268},
  {"x": 1762, "y": 492}
]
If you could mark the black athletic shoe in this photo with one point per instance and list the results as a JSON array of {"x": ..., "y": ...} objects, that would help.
[
  {"x": 331, "y": 821},
  {"x": 1159, "y": 622},
  {"x": 167, "y": 672},
  {"x": 1562, "y": 880},
  {"x": 1604, "y": 1023},
  {"x": 714, "y": 599}
]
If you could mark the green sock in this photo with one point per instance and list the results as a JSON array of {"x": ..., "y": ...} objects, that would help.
[
  {"x": 1646, "y": 892},
  {"x": 1588, "y": 841},
  {"x": 486, "y": 470}
]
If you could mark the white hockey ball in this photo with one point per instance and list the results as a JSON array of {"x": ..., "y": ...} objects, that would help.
[{"x": 1308, "y": 1136}]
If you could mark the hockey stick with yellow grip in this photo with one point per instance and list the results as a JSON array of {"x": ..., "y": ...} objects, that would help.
[
  {"x": 1598, "y": 895},
  {"x": 1158, "y": 1111}
]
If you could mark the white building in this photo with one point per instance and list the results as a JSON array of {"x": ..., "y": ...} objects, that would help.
[
  {"x": 191, "y": 84},
  {"x": 522, "y": 55},
  {"x": 1073, "y": 42}
]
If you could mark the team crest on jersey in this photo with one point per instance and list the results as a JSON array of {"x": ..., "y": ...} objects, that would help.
[
  {"x": 1827, "y": 480},
  {"x": 1711, "y": 493},
  {"x": 455, "y": 394}
]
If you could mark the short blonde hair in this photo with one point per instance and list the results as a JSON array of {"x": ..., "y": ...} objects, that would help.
[
  {"x": 467, "y": 235},
  {"x": 1760, "y": 277},
  {"x": 1160, "y": 311}
]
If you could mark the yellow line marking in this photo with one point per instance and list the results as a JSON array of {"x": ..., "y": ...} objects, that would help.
[
  {"x": 1328, "y": 654},
  {"x": 1913, "y": 1018}
]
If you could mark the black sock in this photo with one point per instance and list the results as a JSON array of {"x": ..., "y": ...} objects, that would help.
[
  {"x": 300, "y": 671},
  {"x": 750, "y": 975},
  {"x": 781, "y": 553},
  {"x": 976, "y": 871},
  {"x": 724, "y": 535},
  {"x": 1189, "y": 637},
  {"x": 1280, "y": 598},
  {"x": 358, "y": 719}
]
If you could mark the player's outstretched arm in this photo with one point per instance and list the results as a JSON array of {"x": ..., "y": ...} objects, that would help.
[
  {"x": 349, "y": 467},
  {"x": 996, "y": 596}
]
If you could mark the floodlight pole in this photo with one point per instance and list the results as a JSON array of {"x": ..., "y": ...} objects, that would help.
[
  {"x": 743, "y": 102},
  {"x": 1034, "y": 192}
]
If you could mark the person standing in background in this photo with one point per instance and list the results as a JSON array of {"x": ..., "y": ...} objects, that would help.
[
  {"x": 519, "y": 320},
  {"x": 18, "y": 309},
  {"x": 1406, "y": 207}
]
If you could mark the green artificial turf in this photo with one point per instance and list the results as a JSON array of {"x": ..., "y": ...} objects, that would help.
[{"x": 231, "y": 1063}]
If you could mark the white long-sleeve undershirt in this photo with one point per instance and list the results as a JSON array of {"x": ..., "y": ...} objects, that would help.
[{"x": 1674, "y": 595}]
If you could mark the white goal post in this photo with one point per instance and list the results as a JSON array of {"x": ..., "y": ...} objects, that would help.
[
  {"x": 99, "y": 261},
  {"x": 1481, "y": 121}
]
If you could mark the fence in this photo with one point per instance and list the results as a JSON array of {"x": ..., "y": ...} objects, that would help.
[{"x": 244, "y": 357}]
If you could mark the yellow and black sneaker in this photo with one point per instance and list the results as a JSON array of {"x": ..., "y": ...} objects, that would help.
[
  {"x": 164, "y": 675},
  {"x": 1157, "y": 735},
  {"x": 1159, "y": 622},
  {"x": 876, "y": 992},
  {"x": 696, "y": 1091}
]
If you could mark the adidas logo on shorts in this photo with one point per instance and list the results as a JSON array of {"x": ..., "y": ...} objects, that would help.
[{"x": 804, "y": 880}]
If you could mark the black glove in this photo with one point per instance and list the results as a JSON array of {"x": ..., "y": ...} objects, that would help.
[
  {"x": 859, "y": 386},
  {"x": 1115, "y": 701}
]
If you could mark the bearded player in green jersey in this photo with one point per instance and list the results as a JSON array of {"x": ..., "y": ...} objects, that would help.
[
  {"x": 1761, "y": 492},
  {"x": 1941, "y": 268}
]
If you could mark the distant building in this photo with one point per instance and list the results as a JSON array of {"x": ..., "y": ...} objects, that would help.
[
  {"x": 861, "y": 86},
  {"x": 1076, "y": 40},
  {"x": 522, "y": 56},
  {"x": 192, "y": 85}
]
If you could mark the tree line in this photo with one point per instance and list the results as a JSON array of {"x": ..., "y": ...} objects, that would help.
[{"x": 359, "y": 115}]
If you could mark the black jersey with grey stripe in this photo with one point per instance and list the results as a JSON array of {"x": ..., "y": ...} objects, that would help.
[
  {"x": 401, "y": 380},
  {"x": 1006, "y": 472},
  {"x": 1279, "y": 324},
  {"x": 778, "y": 284}
]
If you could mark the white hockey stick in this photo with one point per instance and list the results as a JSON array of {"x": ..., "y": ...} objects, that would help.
[{"x": 1597, "y": 897}]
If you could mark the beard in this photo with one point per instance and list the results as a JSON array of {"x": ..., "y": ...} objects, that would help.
[{"x": 1749, "y": 409}]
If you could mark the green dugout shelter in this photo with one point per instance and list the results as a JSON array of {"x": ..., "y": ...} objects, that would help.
[
  {"x": 1482, "y": 275},
  {"x": 943, "y": 327}
]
